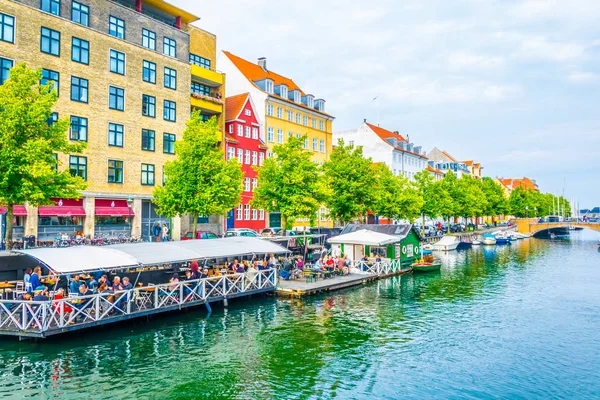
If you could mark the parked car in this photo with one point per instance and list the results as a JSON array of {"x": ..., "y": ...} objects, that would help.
[
  {"x": 241, "y": 232},
  {"x": 287, "y": 233},
  {"x": 189, "y": 235},
  {"x": 269, "y": 231},
  {"x": 428, "y": 230}
]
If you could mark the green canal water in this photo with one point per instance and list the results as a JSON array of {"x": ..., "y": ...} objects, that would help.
[{"x": 514, "y": 322}]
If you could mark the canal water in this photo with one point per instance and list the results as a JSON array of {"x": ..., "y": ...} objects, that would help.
[{"x": 515, "y": 322}]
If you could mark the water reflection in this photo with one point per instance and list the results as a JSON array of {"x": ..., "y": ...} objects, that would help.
[{"x": 417, "y": 335}]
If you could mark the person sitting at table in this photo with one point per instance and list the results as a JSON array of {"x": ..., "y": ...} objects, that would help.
[
  {"x": 83, "y": 290},
  {"x": 117, "y": 285},
  {"x": 93, "y": 285},
  {"x": 74, "y": 285},
  {"x": 341, "y": 265},
  {"x": 127, "y": 285},
  {"x": 40, "y": 294},
  {"x": 173, "y": 281},
  {"x": 59, "y": 295},
  {"x": 188, "y": 276},
  {"x": 35, "y": 280},
  {"x": 329, "y": 264},
  {"x": 239, "y": 269},
  {"x": 300, "y": 263},
  {"x": 233, "y": 266},
  {"x": 204, "y": 273},
  {"x": 194, "y": 268},
  {"x": 27, "y": 280},
  {"x": 103, "y": 280},
  {"x": 318, "y": 264},
  {"x": 378, "y": 258}
]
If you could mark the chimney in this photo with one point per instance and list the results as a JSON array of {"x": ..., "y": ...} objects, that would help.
[
  {"x": 365, "y": 120},
  {"x": 396, "y": 132},
  {"x": 262, "y": 62}
]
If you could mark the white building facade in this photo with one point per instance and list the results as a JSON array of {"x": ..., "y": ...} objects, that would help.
[{"x": 390, "y": 148}]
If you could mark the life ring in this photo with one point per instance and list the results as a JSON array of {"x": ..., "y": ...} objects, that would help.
[
  {"x": 403, "y": 249},
  {"x": 417, "y": 250}
]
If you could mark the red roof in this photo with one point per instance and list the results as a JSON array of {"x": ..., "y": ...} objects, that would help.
[
  {"x": 449, "y": 156},
  {"x": 435, "y": 170},
  {"x": 385, "y": 134},
  {"x": 234, "y": 106}
]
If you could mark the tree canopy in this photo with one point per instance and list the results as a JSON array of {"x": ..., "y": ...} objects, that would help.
[
  {"x": 395, "y": 197},
  {"x": 349, "y": 175},
  {"x": 290, "y": 182},
  {"x": 199, "y": 181},
  {"x": 497, "y": 203},
  {"x": 29, "y": 143}
]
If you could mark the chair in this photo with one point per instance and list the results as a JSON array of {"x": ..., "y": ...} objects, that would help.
[{"x": 19, "y": 289}]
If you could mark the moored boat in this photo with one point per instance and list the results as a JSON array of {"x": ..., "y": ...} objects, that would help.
[
  {"x": 476, "y": 243},
  {"x": 488, "y": 239},
  {"x": 447, "y": 243},
  {"x": 427, "y": 248},
  {"x": 426, "y": 267}
]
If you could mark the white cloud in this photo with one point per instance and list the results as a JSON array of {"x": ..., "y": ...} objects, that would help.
[
  {"x": 541, "y": 48},
  {"x": 583, "y": 77},
  {"x": 460, "y": 60}
]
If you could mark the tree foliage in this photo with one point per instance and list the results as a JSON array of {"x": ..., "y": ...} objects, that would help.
[
  {"x": 290, "y": 182},
  {"x": 431, "y": 193},
  {"x": 29, "y": 170},
  {"x": 349, "y": 175},
  {"x": 199, "y": 181},
  {"x": 530, "y": 203},
  {"x": 497, "y": 204},
  {"x": 471, "y": 200}
]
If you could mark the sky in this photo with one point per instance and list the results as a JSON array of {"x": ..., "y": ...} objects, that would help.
[{"x": 514, "y": 85}]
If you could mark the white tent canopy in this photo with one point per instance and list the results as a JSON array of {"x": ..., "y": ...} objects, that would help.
[
  {"x": 366, "y": 237},
  {"x": 91, "y": 258}
]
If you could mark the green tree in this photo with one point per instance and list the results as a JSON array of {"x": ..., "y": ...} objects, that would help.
[
  {"x": 497, "y": 203},
  {"x": 450, "y": 199},
  {"x": 519, "y": 201},
  {"x": 29, "y": 170},
  {"x": 472, "y": 201},
  {"x": 351, "y": 180},
  {"x": 199, "y": 181},
  {"x": 395, "y": 198},
  {"x": 430, "y": 193},
  {"x": 290, "y": 183}
]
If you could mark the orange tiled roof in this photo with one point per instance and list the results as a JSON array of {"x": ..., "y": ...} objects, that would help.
[
  {"x": 469, "y": 162},
  {"x": 449, "y": 156},
  {"x": 385, "y": 134},
  {"x": 234, "y": 105},
  {"x": 229, "y": 138},
  {"x": 431, "y": 169}
]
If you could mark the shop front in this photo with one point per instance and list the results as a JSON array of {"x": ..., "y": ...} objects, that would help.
[
  {"x": 65, "y": 217},
  {"x": 113, "y": 217},
  {"x": 150, "y": 219},
  {"x": 19, "y": 215}
]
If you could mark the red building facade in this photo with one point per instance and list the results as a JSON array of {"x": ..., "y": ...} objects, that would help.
[{"x": 243, "y": 141}]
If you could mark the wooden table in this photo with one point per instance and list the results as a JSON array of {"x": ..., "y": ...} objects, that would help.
[
  {"x": 147, "y": 289},
  {"x": 48, "y": 282},
  {"x": 5, "y": 286}
]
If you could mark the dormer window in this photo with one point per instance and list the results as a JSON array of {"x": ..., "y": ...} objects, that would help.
[
  {"x": 269, "y": 86},
  {"x": 283, "y": 91},
  {"x": 247, "y": 112},
  {"x": 320, "y": 105},
  {"x": 309, "y": 101},
  {"x": 295, "y": 96}
]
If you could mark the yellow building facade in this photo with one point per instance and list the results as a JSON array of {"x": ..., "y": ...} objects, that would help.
[{"x": 125, "y": 74}]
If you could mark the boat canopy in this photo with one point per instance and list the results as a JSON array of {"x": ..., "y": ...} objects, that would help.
[
  {"x": 93, "y": 258},
  {"x": 488, "y": 235},
  {"x": 366, "y": 237},
  {"x": 447, "y": 240}
]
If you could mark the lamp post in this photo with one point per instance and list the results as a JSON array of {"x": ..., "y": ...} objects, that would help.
[
  {"x": 535, "y": 211},
  {"x": 526, "y": 211},
  {"x": 129, "y": 204}
]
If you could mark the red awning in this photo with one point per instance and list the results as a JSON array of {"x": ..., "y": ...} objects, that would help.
[
  {"x": 64, "y": 211},
  {"x": 18, "y": 211},
  {"x": 113, "y": 208}
]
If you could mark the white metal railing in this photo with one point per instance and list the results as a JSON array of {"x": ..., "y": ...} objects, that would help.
[
  {"x": 379, "y": 268},
  {"x": 41, "y": 316}
]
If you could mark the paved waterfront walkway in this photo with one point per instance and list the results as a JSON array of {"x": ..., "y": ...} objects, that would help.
[{"x": 301, "y": 287}]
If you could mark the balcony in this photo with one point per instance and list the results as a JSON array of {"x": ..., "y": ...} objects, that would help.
[
  {"x": 160, "y": 11},
  {"x": 206, "y": 76},
  {"x": 209, "y": 104}
]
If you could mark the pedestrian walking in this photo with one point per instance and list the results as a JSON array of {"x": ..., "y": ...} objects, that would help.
[
  {"x": 165, "y": 233},
  {"x": 157, "y": 230}
]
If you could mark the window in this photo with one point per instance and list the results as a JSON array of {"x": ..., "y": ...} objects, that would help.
[
  {"x": 247, "y": 112},
  {"x": 50, "y": 42},
  {"x": 148, "y": 39},
  {"x": 78, "y": 166},
  {"x": 305, "y": 121},
  {"x": 117, "y": 62},
  {"x": 314, "y": 123},
  {"x": 79, "y": 89},
  {"x": 80, "y": 13},
  {"x": 247, "y": 157},
  {"x": 199, "y": 61},
  {"x": 5, "y": 66},
  {"x": 240, "y": 130},
  {"x": 279, "y": 136},
  {"x": 298, "y": 116},
  {"x": 170, "y": 113},
  {"x": 261, "y": 159},
  {"x": 240, "y": 211},
  {"x": 284, "y": 92},
  {"x": 255, "y": 133},
  {"x": 200, "y": 89},
  {"x": 52, "y": 119},
  {"x": 115, "y": 135},
  {"x": 49, "y": 76},
  {"x": 168, "y": 143},
  {"x": 148, "y": 106},
  {"x": 315, "y": 144},
  {"x": 116, "y": 98},
  {"x": 262, "y": 215},
  {"x": 246, "y": 211},
  {"x": 296, "y": 96},
  {"x": 254, "y": 214},
  {"x": 322, "y": 125},
  {"x": 306, "y": 142},
  {"x": 148, "y": 174},
  {"x": 290, "y": 116},
  {"x": 169, "y": 47},
  {"x": 230, "y": 128},
  {"x": 7, "y": 28},
  {"x": 240, "y": 156},
  {"x": 290, "y": 134},
  {"x": 116, "y": 27},
  {"x": 230, "y": 153},
  {"x": 79, "y": 129},
  {"x": 269, "y": 155},
  {"x": 115, "y": 171},
  {"x": 270, "y": 134},
  {"x": 269, "y": 86},
  {"x": 80, "y": 51},
  {"x": 170, "y": 78},
  {"x": 322, "y": 146},
  {"x": 246, "y": 184},
  {"x": 148, "y": 139},
  {"x": 279, "y": 112},
  {"x": 51, "y": 6},
  {"x": 298, "y": 135},
  {"x": 254, "y": 158},
  {"x": 270, "y": 110},
  {"x": 254, "y": 183},
  {"x": 149, "y": 72},
  {"x": 247, "y": 130}
]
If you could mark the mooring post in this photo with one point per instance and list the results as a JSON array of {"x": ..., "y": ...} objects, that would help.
[{"x": 225, "y": 303}]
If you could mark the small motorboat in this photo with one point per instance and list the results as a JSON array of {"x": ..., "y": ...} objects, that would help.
[
  {"x": 426, "y": 249},
  {"x": 488, "y": 239},
  {"x": 447, "y": 243},
  {"x": 426, "y": 267},
  {"x": 476, "y": 243}
]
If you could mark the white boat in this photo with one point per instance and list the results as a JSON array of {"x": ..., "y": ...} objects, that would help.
[
  {"x": 488, "y": 239},
  {"x": 476, "y": 243},
  {"x": 447, "y": 243}
]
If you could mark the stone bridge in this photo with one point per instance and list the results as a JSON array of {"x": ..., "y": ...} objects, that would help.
[{"x": 532, "y": 226}]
